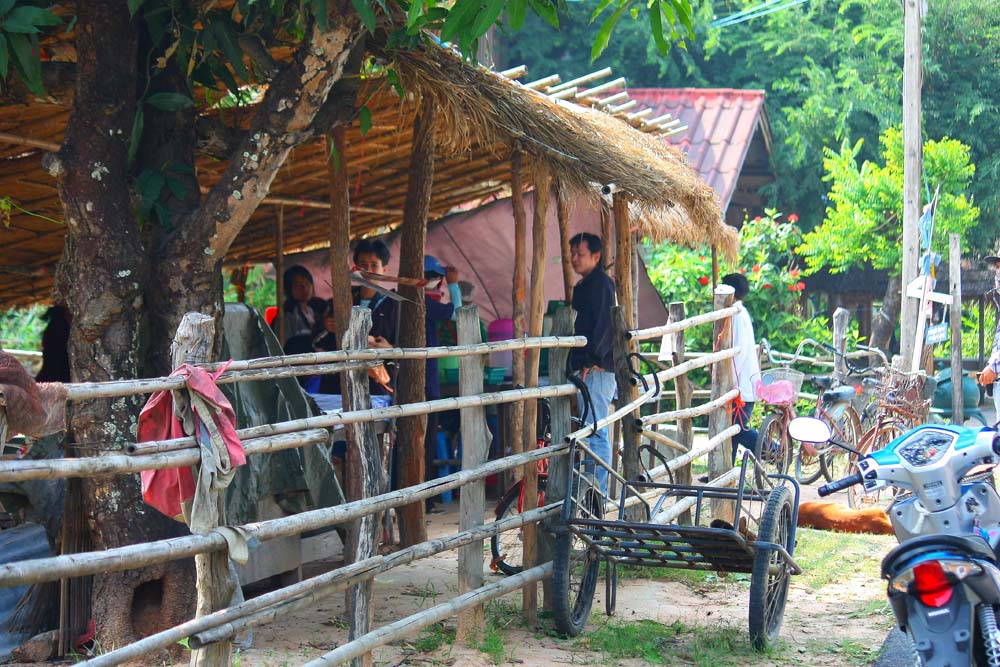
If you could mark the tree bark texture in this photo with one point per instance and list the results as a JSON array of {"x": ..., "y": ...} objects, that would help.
[
  {"x": 104, "y": 276},
  {"x": 412, "y": 332},
  {"x": 340, "y": 231},
  {"x": 884, "y": 323},
  {"x": 519, "y": 294}
]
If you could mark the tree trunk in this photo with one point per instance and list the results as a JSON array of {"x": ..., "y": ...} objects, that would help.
[
  {"x": 104, "y": 273},
  {"x": 884, "y": 324}
]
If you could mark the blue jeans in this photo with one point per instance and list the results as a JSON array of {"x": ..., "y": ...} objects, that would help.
[
  {"x": 602, "y": 387},
  {"x": 748, "y": 436}
]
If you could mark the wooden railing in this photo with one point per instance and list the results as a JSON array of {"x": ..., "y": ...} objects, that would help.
[{"x": 220, "y": 620}]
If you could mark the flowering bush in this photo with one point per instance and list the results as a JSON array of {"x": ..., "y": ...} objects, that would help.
[{"x": 779, "y": 310}]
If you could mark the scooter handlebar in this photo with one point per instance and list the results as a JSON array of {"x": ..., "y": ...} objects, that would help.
[{"x": 841, "y": 484}]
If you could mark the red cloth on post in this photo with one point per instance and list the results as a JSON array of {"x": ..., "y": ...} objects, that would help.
[{"x": 167, "y": 490}]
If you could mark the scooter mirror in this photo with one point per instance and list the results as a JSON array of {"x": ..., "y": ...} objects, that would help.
[{"x": 809, "y": 429}]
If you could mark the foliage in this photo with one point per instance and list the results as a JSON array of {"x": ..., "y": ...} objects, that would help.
[
  {"x": 20, "y": 24},
  {"x": 832, "y": 71},
  {"x": 864, "y": 223},
  {"x": 260, "y": 289},
  {"x": 767, "y": 258},
  {"x": 21, "y": 328}
]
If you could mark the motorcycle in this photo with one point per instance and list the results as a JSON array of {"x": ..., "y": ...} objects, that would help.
[{"x": 943, "y": 578}]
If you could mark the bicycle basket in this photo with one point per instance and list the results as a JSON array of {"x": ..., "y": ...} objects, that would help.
[{"x": 779, "y": 386}]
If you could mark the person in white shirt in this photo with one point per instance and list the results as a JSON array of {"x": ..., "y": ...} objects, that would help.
[{"x": 746, "y": 362}]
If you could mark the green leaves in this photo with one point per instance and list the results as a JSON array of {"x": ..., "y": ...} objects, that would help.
[
  {"x": 604, "y": 34},
  {"x": 516, "y": 12},
  {"x": 20, "y": 25},
  {"x": 169, "y": 101},
  {"x": 29, "y": 20},
  {"x": 366, "y": 12},
  {"x": 365, "y": 120}
]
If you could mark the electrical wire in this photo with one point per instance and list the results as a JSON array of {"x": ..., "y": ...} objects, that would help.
[{"x": 763, "y": 9}]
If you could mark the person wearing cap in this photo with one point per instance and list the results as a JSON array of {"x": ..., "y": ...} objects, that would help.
[
  {"x": 439, "y": 309},
  {"x": 988, "y": 376},
  {"x": 593, "y": 298}
]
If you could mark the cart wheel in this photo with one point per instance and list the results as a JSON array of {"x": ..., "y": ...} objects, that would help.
[
  {"x": 610, "y": 586},
  {"x": 769, "y": 581},
  {"x": 508, "y": 546},
  {"x": 772, "y": 450},
  {"x": 575, "y": 566}
]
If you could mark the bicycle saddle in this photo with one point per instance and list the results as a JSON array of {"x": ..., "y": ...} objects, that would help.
[
  {"x": 823, "y": 381},
  {"x": 839, "y": 394}
]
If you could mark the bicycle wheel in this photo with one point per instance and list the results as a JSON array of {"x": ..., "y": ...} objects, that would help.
[
  {"x": 836, "y": 461},
  {"x": 873, "y": 441},
  {"x": 773, "y": 453},
  {"x": 808, "y": 467},
  {"x": 770, "y": 576},
  {"x": 508, "y": 546},
  {"x": 575, "y": 567}
]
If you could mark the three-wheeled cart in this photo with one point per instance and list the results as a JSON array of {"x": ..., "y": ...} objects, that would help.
[{"x": 760, "y": 540}]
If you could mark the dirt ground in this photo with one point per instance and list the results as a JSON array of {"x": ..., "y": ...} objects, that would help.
[{"x": 835, "y": 617}]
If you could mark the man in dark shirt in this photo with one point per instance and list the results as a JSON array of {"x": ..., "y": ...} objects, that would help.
[
  {"x": 373, "y": 257},
  {"x": 593, "y": 298}
]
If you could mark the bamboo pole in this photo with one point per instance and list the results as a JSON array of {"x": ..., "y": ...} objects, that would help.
[
  {"x": 229, "y": 622},
  {"x": 683, "y": 325},
  {"x": 685, "y": 459},
  {"x": 955, "y": 317},
  {"x": 279, "y": 275},
  {"x": 25, "y": 470},
  {"x": 688, "y": 413},
  {"x": 603, "y": 88},
  {"x": 519, "y": 296},
  {"x": 543, "y": 190},
  {"x": 544, "y": 82},
  {"x": 411, "y": 624},
  {"x": 580, "y": 80},
  {"x": 669, "y": 514},
  {"x": 685, "y": 427},
  {"x": 656, "y": 436},
  {"x": 475, "y": 448},
  {"x": 562, "y": 216},
  {"x": 626, "y": 388},
  {"x": 607, "y": 232},
  {"x": 340, "y": 229},
  {"x": 411, "y": 433},
  {"x": 161, "y": 551}
]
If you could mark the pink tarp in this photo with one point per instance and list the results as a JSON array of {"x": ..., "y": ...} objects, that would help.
[{"x": 480, "y": 244}]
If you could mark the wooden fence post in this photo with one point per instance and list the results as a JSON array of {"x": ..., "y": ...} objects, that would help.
[
  {"x": 685, "y": 426},
  {"x": 192, "y": 344},
  {"x": 955, "y": 284},
  {"x": 841, "y": 319},
  {"x": 365, "y": 479},
  {"x": 723, "y": 379},
  {"x": 475, "y": 446},
  {"x": 627, "y": 392},
  {"x": 560, "y": 410}
]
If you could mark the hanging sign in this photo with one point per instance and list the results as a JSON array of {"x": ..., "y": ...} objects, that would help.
[{"x": 937, "y": 333}]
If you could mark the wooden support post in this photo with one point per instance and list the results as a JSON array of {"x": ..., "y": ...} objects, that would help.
[
  {"x": 912, "y": 176},
  {"x": 192, "y": 344},
  {"x": 723, "y": 379},
  {"x": 955, "y": 288},
  {"x": 982, "y": 332},
  {"x": 365, "y": 479},
  {"x": 279, "y": 275},
  {"x": 560, "y": 409},
  {"x": 543, "y": 188},
  {"x": 715, "y": 266},
  {"x": 562, "y": 212},
  {"x": 607, "y": 234},
  {"x": 623, "y": 257},
  {"x": 412, "y": 327},
  {"x": 634, "y": 277},
  {"x": 475, "y": 447},
  {"x": 519, "y": 294},
  {"x": 685, "y": 427},
  {"x": 340, "y": 229},
  {"x": 627, "y": 392},
  {"x": 841, "y": 319}
]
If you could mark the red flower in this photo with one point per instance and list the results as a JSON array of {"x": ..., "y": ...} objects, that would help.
[
  {"x": 743, "y": 270},
  {"x": 703, "y": 280},
  {"x": 768, "y": 286},
  {"x": 756, "y": 268},
  {"x": 800, "y": 285},
  {"x": 794, "y": 273},
  {"x": 702, "y": 258},
  {"x": 757, "y": 219},
  {"x": 792, "y": 218},
  {"x": 792, "y": 288}
]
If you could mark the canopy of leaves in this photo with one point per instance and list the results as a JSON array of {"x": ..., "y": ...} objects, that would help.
[{"x": 863, "y": 224}]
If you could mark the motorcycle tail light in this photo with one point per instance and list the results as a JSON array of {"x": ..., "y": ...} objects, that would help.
[{"x": 932, "y": 581}]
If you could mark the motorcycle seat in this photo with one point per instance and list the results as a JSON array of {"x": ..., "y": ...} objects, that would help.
[{"x": 969, "y": 545}]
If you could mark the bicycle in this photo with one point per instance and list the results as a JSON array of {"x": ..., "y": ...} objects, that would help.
[{"x": 778, "y": 388}]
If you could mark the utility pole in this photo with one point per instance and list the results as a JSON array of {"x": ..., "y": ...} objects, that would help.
[{"x": 912, "y": 163}]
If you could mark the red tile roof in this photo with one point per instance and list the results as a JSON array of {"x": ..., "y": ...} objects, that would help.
[{"x": 721, "y": 124}]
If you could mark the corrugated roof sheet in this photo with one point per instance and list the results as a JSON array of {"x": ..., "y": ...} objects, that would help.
[{"x": 721, "y": 124}]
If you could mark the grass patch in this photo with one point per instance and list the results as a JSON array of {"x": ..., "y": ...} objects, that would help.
[
  {"x": 826, "y": 556},
  {"x": 433, "y": 637},
  {"x": 492, "y": 644},
  {"x": 661, "y": 644},
  {"x": 681, "y": 575}
]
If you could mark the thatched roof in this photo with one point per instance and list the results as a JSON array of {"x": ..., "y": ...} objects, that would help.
[{"x": 482, "y": 116}]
